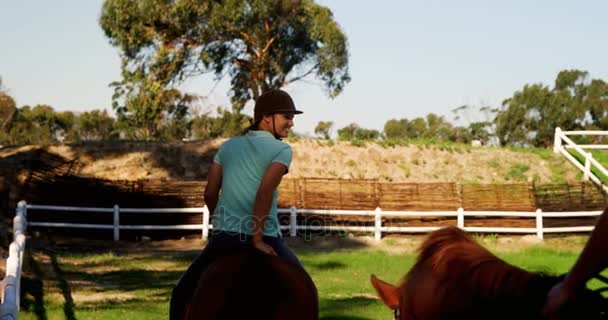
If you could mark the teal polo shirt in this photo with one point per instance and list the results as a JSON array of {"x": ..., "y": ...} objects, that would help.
[{"x": 244, "y": 160}]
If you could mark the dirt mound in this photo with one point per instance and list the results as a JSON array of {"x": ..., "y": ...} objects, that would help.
[{"x": 312, "y": 158}]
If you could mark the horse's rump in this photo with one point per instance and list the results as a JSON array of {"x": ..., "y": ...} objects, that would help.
[{"x": 251, "y": 284}]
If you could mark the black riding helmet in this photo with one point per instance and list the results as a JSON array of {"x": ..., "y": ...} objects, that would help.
[{"x": 271, "y": 102}]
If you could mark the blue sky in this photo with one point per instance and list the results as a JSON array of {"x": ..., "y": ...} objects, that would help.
[{"x": 407, "y": 58}]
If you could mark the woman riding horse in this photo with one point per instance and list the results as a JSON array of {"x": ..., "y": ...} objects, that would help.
[{"x": 247, "y": 170}]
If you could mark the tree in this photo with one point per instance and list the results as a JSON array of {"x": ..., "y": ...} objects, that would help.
[
  {"x": 226, "y": 124},
  {"x": 348, "y": 133},
  {"x": 597, "y": 104},
  {"x": 417, "y": 128},
  {"x": 354, "y": 132},
  {"x": 148, "y": 108},
  {"x": 367, "y": 134},
  {"x": 396, "y": 129},
  {"x": 260, "y": 45},
  {"x": 93, "y": 125},
  {"x": 7, "y": 108},
  {"x": 437, "y": 127},
  {"x": 479, "y": 122},
  {"x": 532, "y": 114},
  {"x": 37, "y": 125},
  {"x": 323, "y": 129}
]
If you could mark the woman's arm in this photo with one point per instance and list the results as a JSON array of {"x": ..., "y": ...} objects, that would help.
[
  {"x": 263, "y": 200},
  {"x": 591, "y": 261},
  {"x": 214, "y": 184}
]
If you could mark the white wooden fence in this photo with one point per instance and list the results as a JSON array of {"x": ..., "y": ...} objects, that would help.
[
  {"x": 562, "y": 142},
  {"x": 10, "y": 286},
  {"x": 377, "y": 229}
]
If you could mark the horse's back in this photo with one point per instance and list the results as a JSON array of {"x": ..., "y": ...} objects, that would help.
[{"x": 251, "y": 284}]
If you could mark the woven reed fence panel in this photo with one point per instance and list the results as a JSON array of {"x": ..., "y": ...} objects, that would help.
[
  {"x": 418, "y": 196},
  {"x": 327, "y": 194},
  {"x": 499, "y": 197},
  {"x": 316, "y": 194},
  {"x": 570, "y": 197},
  {"x": 338, "y": 194},
  {"x": 78, "y": 191},
  {"x": 289, "y": 194}
]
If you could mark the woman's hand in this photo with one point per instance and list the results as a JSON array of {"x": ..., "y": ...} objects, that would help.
[{"x": 262, "y": 246}]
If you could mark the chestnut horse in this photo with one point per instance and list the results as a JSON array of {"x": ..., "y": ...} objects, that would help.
[
  {"x": 456, "y": 278},
  {"x": 253, "y": 285}
]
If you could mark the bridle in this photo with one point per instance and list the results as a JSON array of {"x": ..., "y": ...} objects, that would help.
[{"x": 397, "y": 313}]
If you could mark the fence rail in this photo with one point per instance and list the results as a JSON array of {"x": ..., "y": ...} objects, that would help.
[
  {"x": 293, "y": 226},
  {"x": 9, "y": 308},
  {"x": 562, "y": 142},
  {"x": 11, "y": 284}
]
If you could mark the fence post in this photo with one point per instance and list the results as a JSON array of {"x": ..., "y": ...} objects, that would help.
[
  {"x": 557, "y": 140},
  {"x": 20, "y": 240},
  {"x": 587, "y": 171},
  {"x": 460, "y": 218},
  {"x": 378, "y": 224},
  {"x": 293, "y": 221},
  {"x": 22, "y": 208},
  {"x": 19, "y": 223},
  {"x": 116, "y": 222},
  {"x": 539, "y": 224},
  {"x": 205, "y": 230}
]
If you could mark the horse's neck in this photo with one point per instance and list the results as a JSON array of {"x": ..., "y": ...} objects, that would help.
[
  {"x": 498, "y": 279},
  {"x": 518, "y": 293}
]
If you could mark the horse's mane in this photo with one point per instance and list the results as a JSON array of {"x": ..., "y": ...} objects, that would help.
[
  {"x": 466, "y": 275},
  {"x": 452, "y": 254},
  {"x": 455, "y": 278}
]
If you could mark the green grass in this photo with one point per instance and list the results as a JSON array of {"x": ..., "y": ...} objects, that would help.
[
  {"x": 517, "y": 172},
  {"x": 115, "y": 284},
  {"x": 600, "y": 155}
]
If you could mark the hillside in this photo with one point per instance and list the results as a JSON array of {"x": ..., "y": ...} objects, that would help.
[{"x": 416, "y": 162}]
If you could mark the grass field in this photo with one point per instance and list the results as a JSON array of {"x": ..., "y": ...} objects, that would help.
[
  {"x": 601, "y": 156},
  {"x": 130, "y": 281}
]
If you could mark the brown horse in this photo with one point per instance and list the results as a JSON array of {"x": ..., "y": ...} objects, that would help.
[
  {"x": 456, "y": 278},
  {"x": 253, "y": 285}
]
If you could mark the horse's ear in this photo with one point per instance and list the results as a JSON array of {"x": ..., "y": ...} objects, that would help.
[{"x": 387, "y": 292}]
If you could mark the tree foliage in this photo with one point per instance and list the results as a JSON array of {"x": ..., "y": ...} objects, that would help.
[
  {"x": 7, "y": 108},
  {"x": 225, "y": 124},
  {"x": 431, "y": 127},
  {"x": 323, "y": 129},
  {"x": 260, "y": 45},
  {"x": 37, "y": 125},
  {"x": 354, "y": 132},
  {"x": 479, "y": 123},
  {"x": 41, "y": 124},
  {"x": 93, "y": 125},
  {"x": 531, "y": 115},
  {"x": 148, "y": 110}
]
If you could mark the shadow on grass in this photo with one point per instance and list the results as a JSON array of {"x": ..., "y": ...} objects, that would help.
[
  {"x": 344, "y": 308},
  {"x": 65, "y": 273},
  {"x": 64, "y": 286},
  {"x": 329, "y": 265},
  {"x": 32, "y": 290}
]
